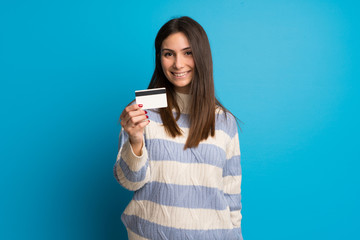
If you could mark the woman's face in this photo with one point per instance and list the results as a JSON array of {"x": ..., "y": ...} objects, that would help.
[{"x": 177, "y": 61}]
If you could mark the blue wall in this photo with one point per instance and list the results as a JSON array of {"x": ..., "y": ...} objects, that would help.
[{"x": 288, "y": 69}]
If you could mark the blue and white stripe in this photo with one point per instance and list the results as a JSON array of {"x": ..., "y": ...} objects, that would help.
[{"x": 182, "y": 194}]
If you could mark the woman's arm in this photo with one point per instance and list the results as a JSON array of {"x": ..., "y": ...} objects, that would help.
[
  {"x": 130, "y": 170},
  {"x": 232, "y": 180}
]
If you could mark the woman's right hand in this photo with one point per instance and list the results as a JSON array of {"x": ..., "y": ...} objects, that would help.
[{"x": 134, "y": 120}]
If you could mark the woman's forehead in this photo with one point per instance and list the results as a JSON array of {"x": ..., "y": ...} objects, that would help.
[{"x": 176, "y": 42}]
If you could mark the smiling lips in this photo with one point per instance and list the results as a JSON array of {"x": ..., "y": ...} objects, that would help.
[{"x": 180, "y": 74}]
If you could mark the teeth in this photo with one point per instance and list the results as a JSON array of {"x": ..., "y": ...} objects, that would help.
[{"x": 180, "y": 74}]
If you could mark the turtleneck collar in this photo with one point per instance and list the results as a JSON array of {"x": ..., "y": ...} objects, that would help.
[{"x": 183, "y": 101}]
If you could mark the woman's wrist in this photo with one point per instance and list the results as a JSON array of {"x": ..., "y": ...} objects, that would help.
[{"x": 136, "y": 146}]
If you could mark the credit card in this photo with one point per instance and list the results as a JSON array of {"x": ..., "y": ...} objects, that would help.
[{"x": 151, "y": 98}]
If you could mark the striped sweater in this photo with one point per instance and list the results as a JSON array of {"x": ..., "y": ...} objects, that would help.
[{"x": 182, "y": 194}]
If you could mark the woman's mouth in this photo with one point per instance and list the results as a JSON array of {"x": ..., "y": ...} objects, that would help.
[{"x": 180, "y": 74}]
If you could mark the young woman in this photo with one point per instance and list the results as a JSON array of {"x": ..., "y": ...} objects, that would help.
[{"x": 183, "y": 161}]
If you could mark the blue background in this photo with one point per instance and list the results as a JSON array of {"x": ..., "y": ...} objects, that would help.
[{"x": 288, "y": 69}]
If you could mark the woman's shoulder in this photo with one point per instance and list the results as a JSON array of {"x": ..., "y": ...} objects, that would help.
[{"x": 225, "y": 121}]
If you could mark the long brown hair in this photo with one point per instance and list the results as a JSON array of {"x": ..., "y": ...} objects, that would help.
[{"x": 203, "y": 101}]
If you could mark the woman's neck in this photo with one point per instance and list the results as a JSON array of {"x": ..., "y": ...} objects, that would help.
[{"x": 183, "y": 100}]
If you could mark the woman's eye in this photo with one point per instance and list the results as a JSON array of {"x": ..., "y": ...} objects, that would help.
[
  {"x": 167, "y": 54},
  {"x": 188, "y": 53}
]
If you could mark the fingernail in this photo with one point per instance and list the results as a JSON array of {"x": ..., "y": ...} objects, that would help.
[
  {"x": 140, "y": 105},
  {"x": 147, "y": 116},
  {"x": 145, "y": 112}
]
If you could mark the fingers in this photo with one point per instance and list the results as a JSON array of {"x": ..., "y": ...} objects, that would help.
[
  {"x": 135, "y": 130},
  {"x": 130, "y": 108},
  {"x": 131, "y": 111},
  {"x": 132, "y": 116},
  {"x": 142, "y": 124},
  {"x": 136, "y": 135},
  {"x": 134, "y": 121}
]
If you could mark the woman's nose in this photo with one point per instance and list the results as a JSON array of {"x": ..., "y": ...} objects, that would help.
[{"x": 178, "y": 62}]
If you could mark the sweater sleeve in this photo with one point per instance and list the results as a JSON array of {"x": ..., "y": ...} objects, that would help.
[
  {"x": 232, "y": 179},
  {"x": 130, "y": 170}
]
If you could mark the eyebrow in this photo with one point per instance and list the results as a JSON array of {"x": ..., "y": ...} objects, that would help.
[{"x": 167, "y": 49}]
